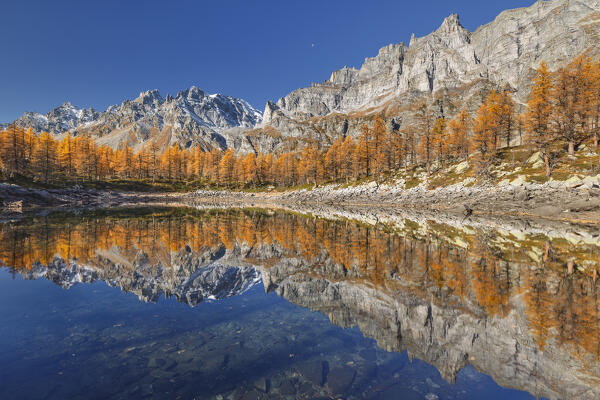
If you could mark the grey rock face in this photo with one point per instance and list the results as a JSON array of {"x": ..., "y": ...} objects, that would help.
[
  {"x": 192, "y": 118},
  {"x": 450, "y": 62},
  {"x": 505, "y": 51}
]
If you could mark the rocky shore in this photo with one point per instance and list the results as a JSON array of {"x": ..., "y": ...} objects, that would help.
[
  {"x": 15, "y": 200},
  {"x": 574, "y": 200}
]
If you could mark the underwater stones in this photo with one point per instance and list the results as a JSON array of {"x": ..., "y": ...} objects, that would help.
[
  {"x": 156, "y": 362},
  {"x": 312, "y": 371},
  {"x": 339, "y": 379},
  {"x": 368, "y": 354},
  {"x": 398, "y": 392},
  {"x": 287, "y": 387},
  {"x": 251, "y": 395},
  {"x": 262, "y": 384}
]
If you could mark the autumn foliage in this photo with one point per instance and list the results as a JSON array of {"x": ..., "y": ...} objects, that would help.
[
  {"x": 563, "y": 110},
  {"x": 422, "y": 261}
]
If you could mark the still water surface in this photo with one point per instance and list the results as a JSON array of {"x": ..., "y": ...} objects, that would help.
[{"x": 251, "y": 304}]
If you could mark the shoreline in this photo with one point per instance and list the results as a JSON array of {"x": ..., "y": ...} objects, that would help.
[{"x": 571, "y": 202}]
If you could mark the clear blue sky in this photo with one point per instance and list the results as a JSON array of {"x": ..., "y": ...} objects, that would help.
[{"x": 98, "y": 53}]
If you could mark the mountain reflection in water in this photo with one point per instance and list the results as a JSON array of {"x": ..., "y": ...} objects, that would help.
[{"x": 521, "y": 307}]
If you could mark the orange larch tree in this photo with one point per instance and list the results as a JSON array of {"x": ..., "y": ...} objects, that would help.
[
  {"x": 459, "y": 139},
  {"x": 538, "y": 115},
  {"x": 46, "y": 159},
  {"x": 440, "y": 140},
  {"x": 571, "y": 102},
  {"x": 506, "y": 118},
  {"x": 426, "y": 140}
]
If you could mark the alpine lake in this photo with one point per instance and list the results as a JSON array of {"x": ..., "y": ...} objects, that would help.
[{"x": 251, "y": 303}]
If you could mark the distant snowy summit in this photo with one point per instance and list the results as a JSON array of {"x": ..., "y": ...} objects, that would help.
[{"x": 191, "y": 118}]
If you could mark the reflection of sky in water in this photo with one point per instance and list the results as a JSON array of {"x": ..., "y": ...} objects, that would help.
[{"x": 93, "y": 341}]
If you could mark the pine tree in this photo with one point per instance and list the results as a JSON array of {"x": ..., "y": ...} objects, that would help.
[
  {"x": 394, "y": 150},
  {"x": 364, "y": 152},
  {"x": 493, "y": 105},
  {"x": 30, "y": 141},
  {"x": 84, "y": 162},
  {"x": 332, "y": 160},
  {"x": 139, "y": 164},
  {"x": 262, "y": 169},
  {"x": 153, "y": 160},
  {"x": 595, "y": 102},
  {"x": 105, "y": 156},
  {"x": 12, "y": 150},
  {"x": 485, "y": 128},
  {"x": 309, "y": 168},
  {"x": 572, "y": 102},
  {"x": 409, "y": 145},
  {"x": 250, "y": 169},
  {"x": 378, "y": 154},
  {"x": 66, "y": 155},
  {"x": 506, "y": 120},
  {"x": 347, "y": 150},
  {"x": 198, "y": 163}
]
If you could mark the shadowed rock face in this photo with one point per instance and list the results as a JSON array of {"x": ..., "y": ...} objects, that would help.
[{"x": 509, "y": 302}]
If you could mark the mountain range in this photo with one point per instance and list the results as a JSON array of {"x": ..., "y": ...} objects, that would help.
[
  {"x": 191, "y": 118},
  {"x": 450, "y": 68}
]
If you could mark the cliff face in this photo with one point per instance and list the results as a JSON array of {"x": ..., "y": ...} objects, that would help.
[{"x": 451, "y": 67}]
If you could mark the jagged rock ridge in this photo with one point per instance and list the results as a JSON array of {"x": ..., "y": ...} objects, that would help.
[
  {"x": 191, "y": 118},
  {"x": 452, "y": 67}
]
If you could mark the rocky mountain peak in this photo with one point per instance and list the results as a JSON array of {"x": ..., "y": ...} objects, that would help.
[
  {"x": 451, "y": 34},
  {"x": 343, "y": 76},
  {"x": 451, "y": 24},
  {"x": 192, "y": 118},
  {"x": 192, "y": 93},
  {"x": 150, "y": 97},
  {"x": 195, "y": 93}
]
